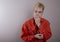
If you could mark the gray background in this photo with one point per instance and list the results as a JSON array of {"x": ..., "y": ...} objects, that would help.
[{"x": 13, "y": 13}]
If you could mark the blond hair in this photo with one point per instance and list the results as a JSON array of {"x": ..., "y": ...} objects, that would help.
[{"x": 40, "y": 5}]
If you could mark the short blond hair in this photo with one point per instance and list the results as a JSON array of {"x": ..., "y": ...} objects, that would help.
[{"x": 39, "y": 4}]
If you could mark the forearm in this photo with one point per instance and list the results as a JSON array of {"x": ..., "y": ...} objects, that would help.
[{"x": 27, "y": 37}]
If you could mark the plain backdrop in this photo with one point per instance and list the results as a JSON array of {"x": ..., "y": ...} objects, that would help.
[{"x": 13, "y": 13}]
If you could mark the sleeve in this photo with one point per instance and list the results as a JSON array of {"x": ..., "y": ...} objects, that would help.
[
  {"x": 47, "y": 32},
  {"x": 25, "y": 35}
]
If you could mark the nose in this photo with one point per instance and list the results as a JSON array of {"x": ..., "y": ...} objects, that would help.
[{"x": 37, "y": 14}]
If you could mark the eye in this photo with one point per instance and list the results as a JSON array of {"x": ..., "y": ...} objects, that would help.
[
  {"x": 35, "y": 11},
  {"x": 40, "y": 12}
]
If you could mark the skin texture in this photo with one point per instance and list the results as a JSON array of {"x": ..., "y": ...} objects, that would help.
[{"x": 38, "y": 12}]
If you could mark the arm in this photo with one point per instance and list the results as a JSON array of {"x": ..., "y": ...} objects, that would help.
[
  {"x": 47, "y": 32},
  {"x": 25, "y": 35}
]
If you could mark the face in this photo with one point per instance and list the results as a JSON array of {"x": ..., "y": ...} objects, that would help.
[{"x": 38, "y": 12}]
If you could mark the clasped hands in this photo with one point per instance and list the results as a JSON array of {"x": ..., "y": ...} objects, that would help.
[{"x": 38, "y": 36}]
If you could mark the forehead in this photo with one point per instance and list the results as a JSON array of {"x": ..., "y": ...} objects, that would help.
[{"x": 38, "y": 8}]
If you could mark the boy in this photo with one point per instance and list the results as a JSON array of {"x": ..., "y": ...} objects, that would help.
[{"x": 36, "y": 29}]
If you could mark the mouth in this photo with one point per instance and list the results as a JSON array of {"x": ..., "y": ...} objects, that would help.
[{"x": 37, "y": 17}]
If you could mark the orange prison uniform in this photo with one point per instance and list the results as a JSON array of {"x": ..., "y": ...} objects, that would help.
[{"x": 29, "y": 29}]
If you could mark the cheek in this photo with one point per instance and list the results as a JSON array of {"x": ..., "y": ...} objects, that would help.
[{"x": 34, "y": 14}]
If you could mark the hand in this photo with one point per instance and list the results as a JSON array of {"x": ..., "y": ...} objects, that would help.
[{"x": 39, "y": 36}]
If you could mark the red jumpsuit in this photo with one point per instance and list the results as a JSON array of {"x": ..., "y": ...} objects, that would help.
[{"x": 29, "y": 30}]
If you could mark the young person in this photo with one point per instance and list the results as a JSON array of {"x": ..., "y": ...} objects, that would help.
[{"x": 36, "y": 29}]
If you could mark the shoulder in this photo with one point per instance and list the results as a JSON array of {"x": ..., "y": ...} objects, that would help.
[{"x": 45, "y": 21}]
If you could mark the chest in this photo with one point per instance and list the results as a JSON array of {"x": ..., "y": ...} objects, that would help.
[{"x": 33, "y": 29}]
